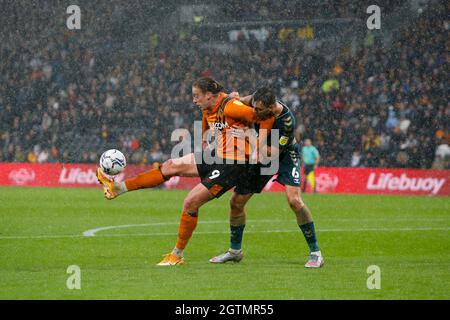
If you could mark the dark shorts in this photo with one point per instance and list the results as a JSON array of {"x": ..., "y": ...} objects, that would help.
[
  {"x": 308, "y": 168},
  {"x": 288, "y": 175},
  {"x": 219, "y": 178}
]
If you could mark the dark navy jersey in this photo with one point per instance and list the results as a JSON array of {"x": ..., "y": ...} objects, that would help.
[
  {"x": 289, "y": 156},
  {"x": 286, "y": 124}
]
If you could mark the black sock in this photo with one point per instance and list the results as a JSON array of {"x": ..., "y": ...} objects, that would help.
[
  {"x": 236, "y": 236},
  {"x": 310, "y": 236}
]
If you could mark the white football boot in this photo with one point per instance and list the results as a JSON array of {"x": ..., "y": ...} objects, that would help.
[
  {"x": 234, "y": 256},
  {"x": 315, "y": 260}
]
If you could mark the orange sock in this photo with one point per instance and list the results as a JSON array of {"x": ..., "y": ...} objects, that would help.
[
  {"x": 187, "y": 227},
  {"x": 148, "y": 179}
]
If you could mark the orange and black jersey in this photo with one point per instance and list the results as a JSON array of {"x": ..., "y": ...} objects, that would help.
[{"x": 229, "y": 112}]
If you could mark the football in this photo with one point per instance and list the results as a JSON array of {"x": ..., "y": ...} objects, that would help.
[{"x": 112, "y": 162}]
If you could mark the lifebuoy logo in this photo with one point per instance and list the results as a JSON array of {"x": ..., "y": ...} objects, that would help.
[
  {"x": 22, "y": 176},
  {"x": 387, "y": 181},
  {"x": 80, "y": 176},
  {"x": 326, "y": 182}
]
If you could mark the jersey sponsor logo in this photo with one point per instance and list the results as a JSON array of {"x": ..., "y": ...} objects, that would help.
[
  {"x": 283, "y": 140},
  {"x": 218, "y": 125}
]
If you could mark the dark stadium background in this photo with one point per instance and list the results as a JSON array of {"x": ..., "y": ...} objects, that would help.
[{"x": 123, "y": 80}]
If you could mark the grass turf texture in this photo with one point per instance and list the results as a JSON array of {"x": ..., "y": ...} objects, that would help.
[{"x": 41, "y": 235}]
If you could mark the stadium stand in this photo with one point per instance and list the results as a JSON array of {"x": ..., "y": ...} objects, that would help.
[{"x": 65, "y": 96}]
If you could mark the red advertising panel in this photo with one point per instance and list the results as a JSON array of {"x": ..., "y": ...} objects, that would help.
[
  {"x": 383, "y": 181},
  {"x": 56, "y": 174},
  {"x": 328, "y": 180},
  {"x": 365, "y": 181}
]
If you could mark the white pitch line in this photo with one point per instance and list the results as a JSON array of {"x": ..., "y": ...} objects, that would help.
[
  {"x": 42, "y": 237},
  {"x": 279, "y": 231},
  {"x": 219, "y": 232},
  {"x": 92, "y": 232}
]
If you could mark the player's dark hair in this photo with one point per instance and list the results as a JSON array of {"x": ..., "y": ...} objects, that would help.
[
  {"x": 267, "y": 98},
  {"x": 207, "y": 84},
  {"x": 265, "y": 95}
]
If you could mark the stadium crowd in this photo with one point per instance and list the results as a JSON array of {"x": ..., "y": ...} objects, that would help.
[{"x": 61, "y": 100}]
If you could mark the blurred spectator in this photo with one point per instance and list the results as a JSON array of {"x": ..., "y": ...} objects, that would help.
[
  {"x": 43, "y": 156},
  {"x": 356, "y": 159},
  {"x": 392, "y": 120},
  {"x": 156, "y": 154},
  {"x": 442, "y": 158}
]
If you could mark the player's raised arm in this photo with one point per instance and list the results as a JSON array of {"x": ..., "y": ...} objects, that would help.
[
  {"x": 239, "y": 111},
  {"x": 264, "y": 131},
  {"x": 245, "y": 100}
]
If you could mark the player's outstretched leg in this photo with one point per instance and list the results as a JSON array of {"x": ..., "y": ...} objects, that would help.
[
  {"x": 237, "y": 226},
  {"x": 306, "y": 224},
  {"x": 184, "y": 166},
  {"x": 112, "y": 189}
]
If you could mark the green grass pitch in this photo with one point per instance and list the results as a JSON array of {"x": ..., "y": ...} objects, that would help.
[{"x": 41, "y": 234}]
